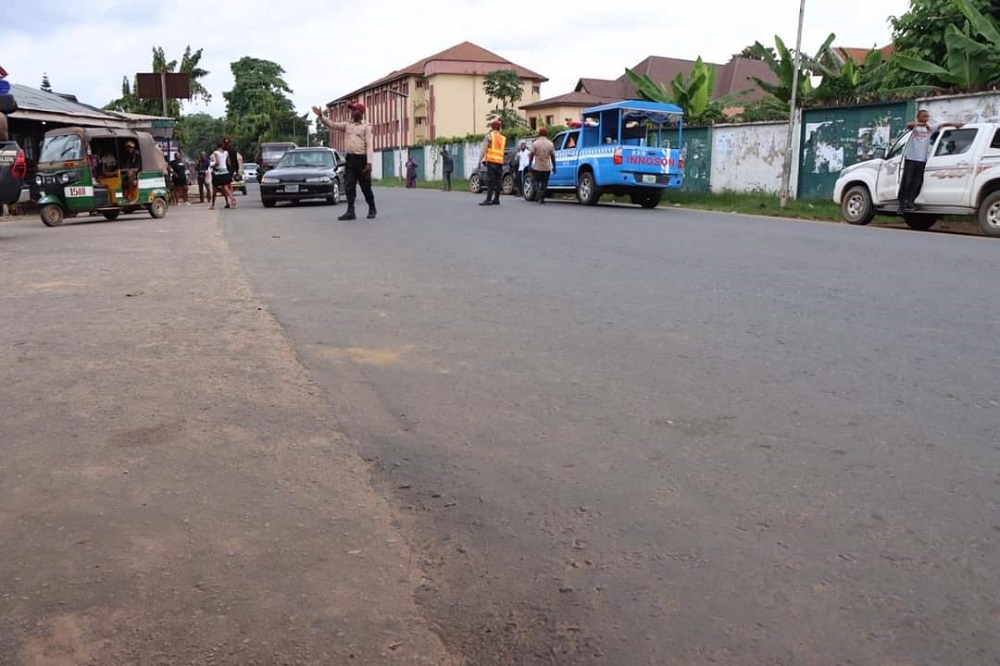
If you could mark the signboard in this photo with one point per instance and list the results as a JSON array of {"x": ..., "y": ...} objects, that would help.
[{"x": 149, "y": 86}]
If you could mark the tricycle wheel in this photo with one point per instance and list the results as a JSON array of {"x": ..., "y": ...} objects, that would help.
[
  {"x": 52, "y": 215},
  {"x": 111, "y": 215},
  {"x": 157, "y": 208}
]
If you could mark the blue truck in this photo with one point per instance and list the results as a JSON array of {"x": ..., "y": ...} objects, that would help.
[{"x": 629, "y": 148}]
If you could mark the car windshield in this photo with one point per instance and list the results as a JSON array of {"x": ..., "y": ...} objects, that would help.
[
  {"x": 62, "y": 148},
  {"x": 313, "y": 158}
]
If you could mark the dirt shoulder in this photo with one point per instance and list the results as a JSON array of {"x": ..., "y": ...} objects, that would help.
[{"x": 173, "y": 490}]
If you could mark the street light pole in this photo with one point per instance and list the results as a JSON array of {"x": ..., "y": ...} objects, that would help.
[
  {"x": 786, "y": 171},
  {"x": 400, "y": 96}
]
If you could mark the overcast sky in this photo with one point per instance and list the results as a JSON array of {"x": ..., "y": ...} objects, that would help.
[{"x": 330, "y": 48}]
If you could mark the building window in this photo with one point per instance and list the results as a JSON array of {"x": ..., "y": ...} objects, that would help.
[
  {"x": 535, "y": 89},
  {"x": 421, "y": 120},
  {"x": 533, "y": 121},
  {"x": 548, "y": 120},
  {"x": 421, "y": 83}
]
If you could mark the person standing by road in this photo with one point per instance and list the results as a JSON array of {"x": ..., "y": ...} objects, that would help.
[
  {"x": 542, "y": 162},
  {"x": 492, "y": 154},
  {"x": 360, "y": 152},
  {"x": 447, "y": 167},
  {"x": 178, "y": 174},
  {"x": 204, "y": 185},
  {"x": 411, "y": 172},
  {"x": 523, "y": 160},
  {"x": 915, "y": 158}
]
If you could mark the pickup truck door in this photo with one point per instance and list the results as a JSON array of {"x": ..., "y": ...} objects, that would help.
[
  {"x": 950, "y": 167},
  {"x": 567, "y": 158},
  {"x": 891, "y": 172}
]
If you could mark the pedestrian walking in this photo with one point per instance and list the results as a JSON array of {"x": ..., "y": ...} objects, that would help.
[
  {"x": 204, "y": 177},
  {"x": 447, "y": 167},
  {"x": 222, "y": 179},
  {"x": 411, "y": 172},
  {"x": 358, "y": 146},
  {"x": 915, "y": 158},
  {"x": 542, "y": 162},
  {"x": 235, "y": 169},
  {"x": 491, "y": 154},
  {"x": 178, "y": 176}
]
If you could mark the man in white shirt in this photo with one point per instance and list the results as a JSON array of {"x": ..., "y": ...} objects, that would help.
[{"x": 523, "y": 159}]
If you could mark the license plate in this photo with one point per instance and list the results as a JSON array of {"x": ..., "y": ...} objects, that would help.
[
  {"x": 649, "y": 178},
  {"x": 291, "y": 188}
]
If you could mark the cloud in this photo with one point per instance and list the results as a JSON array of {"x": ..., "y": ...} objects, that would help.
[{"x": 332, "y": 47}]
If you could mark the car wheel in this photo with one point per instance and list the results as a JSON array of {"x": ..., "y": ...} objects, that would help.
[
  {"x": 989, "y": 215},
  {"x": 475, "y": 184},
  {"x": 157, "y": 208},
  {"x": 268, "y": 203},
  {"x": 528, "y": 191},
  {"x": 51, "y": 214},
  {"x": 919, "y": 222},
  {"x": 507, "y": 186},
  {"x": 586, "y": 189},
  {"x": 856, "y": 206},
  {"x": 111, "y": 215}
]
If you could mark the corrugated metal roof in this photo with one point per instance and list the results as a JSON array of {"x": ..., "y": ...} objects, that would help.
[{"x": 34, "y": 100}]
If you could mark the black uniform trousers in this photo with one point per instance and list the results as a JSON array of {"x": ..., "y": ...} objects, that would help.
[
  {"x": 353, "y": 176},
  {"x": 494, "y": 172}
]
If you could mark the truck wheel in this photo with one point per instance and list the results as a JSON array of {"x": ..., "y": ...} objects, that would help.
[
  {"x": 919, "y": 222},
  {"x": 52, "y": 215},
  {"x": 157, "y": 208},
  {"x": 528, "y": 191},
  {"x": 989, "y": 215},
  {"x": 586, "y": 189},
  {"x": 507, "y": 186},
  {"x": 647, "y": 199},
  {"x": 475, "y": 184},
  {"x": 856, "y": 206}
]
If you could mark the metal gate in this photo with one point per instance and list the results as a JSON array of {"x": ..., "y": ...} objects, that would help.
[{"x": 697, "y": 159}]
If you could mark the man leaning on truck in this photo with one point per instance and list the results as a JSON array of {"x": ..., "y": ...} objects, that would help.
[{"x": 915, "y": 158}]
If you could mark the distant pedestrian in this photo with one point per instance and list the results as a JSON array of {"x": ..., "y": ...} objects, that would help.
[
  {"x": 915, "y": 158},
  {"x": 411, "y": 172},
  {"x": 492, "y": 155},
  {"x": 204, "y": 177},
  {"x": 178, "y": 176},
  {"x": 523, "y": 160},
  {"x": 542, "y": 162},
  {"x": 360, "y": 152},
  {"x": 447, "y": 167},
  {"x": 222, "y": 178},
  {"x": 235, "y": 168}
]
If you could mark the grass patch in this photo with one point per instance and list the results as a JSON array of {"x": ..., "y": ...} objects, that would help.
[
  {"x": 457, "y": 184},
  {"x": 755, "y": 203}
]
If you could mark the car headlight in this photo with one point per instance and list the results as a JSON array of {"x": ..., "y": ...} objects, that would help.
[
  {"x": 265, "y": 179},
  {"x": 318, "y": 179}
]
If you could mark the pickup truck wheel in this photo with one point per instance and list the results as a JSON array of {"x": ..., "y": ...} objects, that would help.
[
  {"x": 475, "y": 184},
  {"x": 919, "y": 222},
  {"x": 586, "y": 189},
  {"x": 989, "y": 215},
  {"x": 51, "y": 214},
  {"x": 528, "y": 191},
  {"x": 856, "y": 206}
]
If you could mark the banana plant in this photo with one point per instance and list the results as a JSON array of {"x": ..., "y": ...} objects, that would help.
[
  {"x": 782, "y": 64},
  {"x": 964, "y": 63}
]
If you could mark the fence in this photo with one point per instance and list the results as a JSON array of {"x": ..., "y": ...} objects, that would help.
[{"x": 750, "y": 156}]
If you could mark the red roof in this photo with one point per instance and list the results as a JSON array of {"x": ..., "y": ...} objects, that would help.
[{"x": 858, "y": 55}]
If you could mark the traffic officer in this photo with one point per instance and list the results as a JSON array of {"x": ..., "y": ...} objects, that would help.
[
  {"x": 358, "y": 146},
  {"x": 492, "y": 154}
]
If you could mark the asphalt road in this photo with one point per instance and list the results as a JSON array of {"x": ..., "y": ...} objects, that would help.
[{"x": 620, "y": 436}]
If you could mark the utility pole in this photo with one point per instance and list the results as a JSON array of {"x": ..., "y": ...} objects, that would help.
[{"x": 786, "y": 171}]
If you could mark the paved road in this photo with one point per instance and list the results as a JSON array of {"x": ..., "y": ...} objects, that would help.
[{"x": 663, "y": 437}]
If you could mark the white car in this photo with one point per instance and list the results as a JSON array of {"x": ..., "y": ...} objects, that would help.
[
  {"x": 962, "y": 177},
  {"x": 249, "y": 171}
]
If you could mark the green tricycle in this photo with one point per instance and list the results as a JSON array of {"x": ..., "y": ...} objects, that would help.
[{"x": 100, "y": 171}]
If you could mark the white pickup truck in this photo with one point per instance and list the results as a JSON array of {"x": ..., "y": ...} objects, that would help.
[{"x": 962, "y": 178}]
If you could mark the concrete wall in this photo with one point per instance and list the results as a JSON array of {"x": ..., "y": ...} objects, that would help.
[
  {"x": 974, "y": 108},
  {"x": 750, "y": 157}
]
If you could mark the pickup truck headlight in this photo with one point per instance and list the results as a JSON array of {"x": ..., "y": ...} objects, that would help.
[{"x": 318, "y": 179}]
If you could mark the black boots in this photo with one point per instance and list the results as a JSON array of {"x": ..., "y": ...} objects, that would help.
[
  {"x": 349, "y": 215},
  {"x": 372, "y": 212}
]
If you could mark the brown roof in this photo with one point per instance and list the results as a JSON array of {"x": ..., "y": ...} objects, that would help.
[
  {"x": 575, "y": 98},
  {"x": 858, "y": 55},
  {"x": 464, "y": 58},
  {"x": 732, "y": 77},
  {"x": 602, "y": 88}
]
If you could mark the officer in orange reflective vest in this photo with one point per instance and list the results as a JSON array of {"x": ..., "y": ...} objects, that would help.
[{"x": 492, "y": 154}]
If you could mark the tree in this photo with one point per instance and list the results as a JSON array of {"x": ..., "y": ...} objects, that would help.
[
  {"x": 504, "y": 86},
  {"x": 201, "y": 132},
  {"x": 189, "y": 64},
  {"x": 779, "y": 95},
  {"x": 846, "y": 81},
  {"x": 920, "y": 34},
  {"x": 46, "y": 86},
  {"x": 258, "y": 108},
  {"x": 752, "y": 52}
]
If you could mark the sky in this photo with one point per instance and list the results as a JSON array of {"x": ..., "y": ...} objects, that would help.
[{"x": 331, "y": 48}]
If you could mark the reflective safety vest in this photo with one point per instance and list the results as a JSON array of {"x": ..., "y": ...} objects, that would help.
[{"x": 494, "y": 152}]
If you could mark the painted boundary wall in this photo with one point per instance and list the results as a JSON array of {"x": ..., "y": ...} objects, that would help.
[{"x": 749, "y": 157}]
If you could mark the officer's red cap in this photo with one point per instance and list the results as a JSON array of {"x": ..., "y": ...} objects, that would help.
[
  {"x": 357, "y": 106},
  {"x": 495, "y": 124},
  {"x": 543, "y": 131}
]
